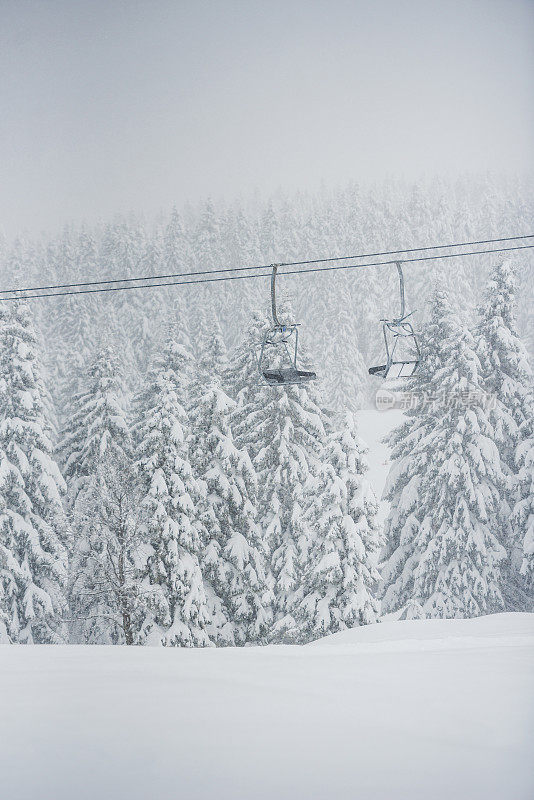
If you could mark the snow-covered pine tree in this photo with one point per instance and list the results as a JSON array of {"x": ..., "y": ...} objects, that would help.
[
  {"x": 341, "y": 576},
  {"x": 508, "y": 379},
  {"x": 523, "y": 512},
  {"x": 346, "y": 370},
  {"x": 97, "y": 458},
  {"x": 177, "y": 259},
  {"x": 246, "y": 386},
  {"x": 33, "y": 528},
  {"x": 506, "y": 370},
  {"x": 212, "y": 361},
  {"x": 97, "y": 425},
  {"x": 242, "y": 250},
  {"x": 206, "y": 255},
  {"x": 177, "y": 249},
  {"x": 107, "y": 593},
  {"x": 122, "y": 314},
  {"x": 284, "y": 430},
  {"x": 80, "y": 332},
  {"x": 234, "y": 558},
  {"x": 402, "y": 487},
  {"x": 443, "y": 555},
  {"x": 176, "y": 601}
]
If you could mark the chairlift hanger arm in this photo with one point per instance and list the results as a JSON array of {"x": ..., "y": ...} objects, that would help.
[
  {"x": 401, "y": 289},
  {"x": 273, "y": 295}
]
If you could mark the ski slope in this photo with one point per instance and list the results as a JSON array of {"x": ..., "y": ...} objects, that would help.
[
  {"x": 429, "y": 710},
  {"x": 373, "y": 425}
]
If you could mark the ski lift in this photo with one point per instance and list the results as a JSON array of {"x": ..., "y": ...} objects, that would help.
[
  {"x": 284, "y": 339},
  {"x": 403, "y": 354}
]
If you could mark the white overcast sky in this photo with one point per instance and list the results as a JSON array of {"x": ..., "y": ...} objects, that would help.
[{"x": 111, "y": 106}]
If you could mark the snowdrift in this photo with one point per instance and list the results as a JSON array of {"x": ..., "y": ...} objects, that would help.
[{"x": 438, "y": 709}]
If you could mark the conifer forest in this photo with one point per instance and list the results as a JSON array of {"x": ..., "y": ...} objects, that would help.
[
  {"x": 266, "y": 400},
  {"x": 156, "y": 491}
]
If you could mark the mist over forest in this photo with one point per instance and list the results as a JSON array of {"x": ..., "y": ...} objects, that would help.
[{"x": 340, "y": 312}]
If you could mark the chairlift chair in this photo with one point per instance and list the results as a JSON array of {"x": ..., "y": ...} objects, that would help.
[
  {"x": 284, "y": 339},
  {"x": 403, "y": 354}
]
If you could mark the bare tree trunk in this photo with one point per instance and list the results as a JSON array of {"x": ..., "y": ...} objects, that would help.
[
  {"x": 127, "y": 625},
  {"x": 126, "y": 618}
]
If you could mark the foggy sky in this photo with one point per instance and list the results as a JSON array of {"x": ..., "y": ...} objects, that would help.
[{"x": 115, "y": 106}]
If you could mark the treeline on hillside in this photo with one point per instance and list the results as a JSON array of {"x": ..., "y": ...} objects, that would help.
[
  {"x": 339, "y": 311},
  {"x": 212, "y": 509}
]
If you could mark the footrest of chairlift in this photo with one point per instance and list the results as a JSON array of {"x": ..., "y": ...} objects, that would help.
[
  {"x": 283, "y": 377},
  {"x": 377, "y": 370},
  {"x": 273, "y": 376}
]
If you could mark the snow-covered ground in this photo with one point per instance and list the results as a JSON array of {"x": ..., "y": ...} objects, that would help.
[
  {"x": 373, "y": 425},
  {"x": 430, "y": 710}
]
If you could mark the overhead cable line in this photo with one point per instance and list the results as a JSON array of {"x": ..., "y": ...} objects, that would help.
[
  {"x": 316, "y": 270},
  {"x": 109, "y": 281}
]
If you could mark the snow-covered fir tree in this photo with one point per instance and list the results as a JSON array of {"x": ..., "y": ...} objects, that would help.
[
  {"x": 177, "y": 611},
  {"x": 96, "y": 452},
  {"x": 507, "y": 372},
  {"x": 523, "y": 511},
  {"x": 97, "y": 425},
  {"x": 212, "y": 361},
  {"x": 341, "y": 577},
  {"x": 33, "y": 528},
  {"x": 234, "y": 557},
  {"x": 284, "y": 430},
  {"x": 508, "y": 378},
  {"x": 246, "y": 386},
  {"x": 346, "y": 370},
  {"x": 443, "y": 555},
  {"x": 177, "y": 258},
  {"x": 107, "y": 595}
]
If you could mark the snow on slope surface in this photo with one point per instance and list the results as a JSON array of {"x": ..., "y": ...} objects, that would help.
[
  {"x": 373, "y": 425},
  {"x": 423, "y": 633},
  {"x": 440, "y": 709}
]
